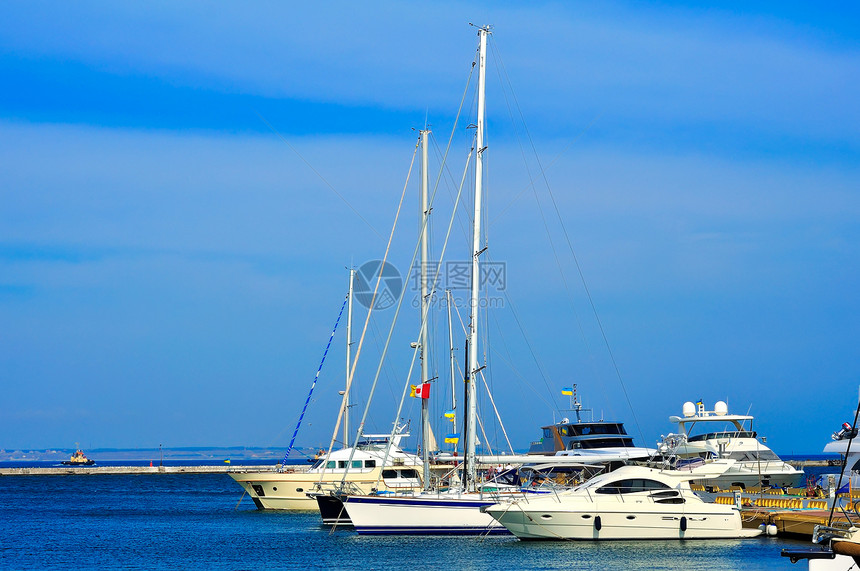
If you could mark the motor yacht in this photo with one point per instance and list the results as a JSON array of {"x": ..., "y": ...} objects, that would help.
[
  {"x": 375, "y": 464},
  {"x": 632, "y": 502},
  {"x": 707, "y": 434}
]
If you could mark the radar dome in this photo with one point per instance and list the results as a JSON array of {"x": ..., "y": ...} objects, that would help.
[
  {"x": 689, "y": 409},
  {"x": 721, "y": 408}
]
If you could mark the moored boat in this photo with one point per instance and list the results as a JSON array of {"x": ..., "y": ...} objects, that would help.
[
  {"x": 724, "y": 435},
  {"x": 632, "y": 502},
  {"x": 376, "y": 463}
]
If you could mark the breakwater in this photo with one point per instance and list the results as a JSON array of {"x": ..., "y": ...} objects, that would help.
[{"x": 94, "y": 470}]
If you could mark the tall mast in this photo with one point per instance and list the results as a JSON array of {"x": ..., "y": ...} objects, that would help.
[
  {"x": 453, "y": 374},
  {"x": 348, "y": 357},
  {"x": 471, "y": 384},
  {"x": 425, "y": 300}
]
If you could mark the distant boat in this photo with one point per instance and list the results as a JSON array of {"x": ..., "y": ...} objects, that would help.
[{"x": 78, "y": 459}]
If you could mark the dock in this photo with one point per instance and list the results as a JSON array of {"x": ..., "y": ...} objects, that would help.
[
  {"x": 99, "y": 470},
  {"x": 797, "y": 523}
]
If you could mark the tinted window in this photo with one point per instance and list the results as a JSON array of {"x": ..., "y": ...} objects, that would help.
[
  {"x": 389, "y": 473},
  {"x": 632, "y": 486},
  {"x": 409, "y": 474},
  {"x": 370, "y": 463}
]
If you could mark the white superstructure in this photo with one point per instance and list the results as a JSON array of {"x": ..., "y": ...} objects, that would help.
[
  {"x": 632, "y": 502},
  {"x": 718, "y": 434},
  {"x": 375, "y": 464}
]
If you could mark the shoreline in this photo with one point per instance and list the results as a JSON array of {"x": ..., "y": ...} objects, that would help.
[{"x": 97, "y": 470}]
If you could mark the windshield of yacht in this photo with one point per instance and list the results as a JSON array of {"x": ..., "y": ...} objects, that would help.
[
  {"x": 373, "y": 442},
  {"x": 724, "y": 434}
]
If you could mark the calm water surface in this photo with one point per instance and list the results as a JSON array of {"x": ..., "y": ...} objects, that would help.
[{"x": 191, "y": 521}]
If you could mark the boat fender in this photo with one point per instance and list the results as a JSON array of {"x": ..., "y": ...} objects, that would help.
[
  {"x": 771, "y": 529},
  {"x": 597, "y": 523},
  {"x": 683, "y": 523}
]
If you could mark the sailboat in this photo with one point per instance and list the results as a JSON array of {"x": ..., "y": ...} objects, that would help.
[
  {"x": 452, "y": 512},
  {"x": 374, "y": 463}
]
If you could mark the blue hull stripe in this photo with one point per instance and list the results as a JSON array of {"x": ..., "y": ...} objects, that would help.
[
  {"x": 432, "y": 531},
  {"x": 454, "y": 504}
]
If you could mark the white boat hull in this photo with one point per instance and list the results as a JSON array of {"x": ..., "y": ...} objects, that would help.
[
  {"x": 288, "y": 490},
  {"x": 426, "y": 514},
  {"x": 551, "y": 521},
  {"x": 751, "y": 474}
]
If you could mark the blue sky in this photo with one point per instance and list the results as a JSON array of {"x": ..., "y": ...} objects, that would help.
[{"x": 170, "y": 269}]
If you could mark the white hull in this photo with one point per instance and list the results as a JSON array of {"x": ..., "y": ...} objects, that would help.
[
  {"x": 749, "y": 474},
  {"x": 838, "y": 563},
  {"x": 424, "y": 514},
  {"x": 632, "y": 502},
  {"x": 287, "y": 490},
  {"x": 620, "y": 523}
]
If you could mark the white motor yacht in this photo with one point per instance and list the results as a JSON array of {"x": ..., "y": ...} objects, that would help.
[
  {"x": 718, "y": 434},
  {"x": 375, "y": 464},
  {"x": 632, "y": 502}
]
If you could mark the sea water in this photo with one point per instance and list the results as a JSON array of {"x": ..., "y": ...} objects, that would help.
[{"x": 197, "y": 521}]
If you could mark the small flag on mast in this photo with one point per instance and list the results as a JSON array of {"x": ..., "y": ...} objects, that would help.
[
  {"x": 449, "y": 414},
  {"x": 452, "y": 438},
  {"x": 567, "y": 391},
  {"x": 420, "y": 391}
]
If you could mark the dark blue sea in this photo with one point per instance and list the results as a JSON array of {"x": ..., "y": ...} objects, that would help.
[{"x": 190, "y": 521}]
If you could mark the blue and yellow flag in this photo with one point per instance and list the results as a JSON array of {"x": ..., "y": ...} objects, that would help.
[
  {"x": 449, "y": 414},
  {"x": 567, "y": 391},
  {"x": 452, "y": 438},
  {"x": 700, "y": 402}
]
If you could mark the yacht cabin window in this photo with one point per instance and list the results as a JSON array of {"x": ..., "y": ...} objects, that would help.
[{"x": 631, "y": 486}]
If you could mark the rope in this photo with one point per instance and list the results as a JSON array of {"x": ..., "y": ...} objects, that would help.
[
  {"x": 434, "y": 283},
  {"x": 581, "y": 275},
  {"x": 313, "y": 385},
  {"x": 844, "y": 464},
  {"x": 364, "y": 329}
]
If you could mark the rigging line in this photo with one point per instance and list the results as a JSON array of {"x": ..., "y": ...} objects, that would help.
[
  {"x": 426, "y": 309},
  {"x": 544, "y": 221},
  {"x": 316, "y": 172},
  {"x": 509, "y": 362},
  {"x": 388, "y": 372},
  {"x": 403, "y": 292},
  {"x": 549, "y": 165},
  {"x": 543, "y": 170},
  {"x": 344, "y": 400},
  {"x": 449, "y": 176},
  {"x": 528, "y": 343},
  {"x": 496, "y": 410},
  {"x": 579, "y": 270},
  {"x": 425, "y": 220},
  {"x": 844, "y": 464},
  {"x": 313, "y": 385},
  {"x": 501, "y": 69},
  {"x": 484, "y": 434}
]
